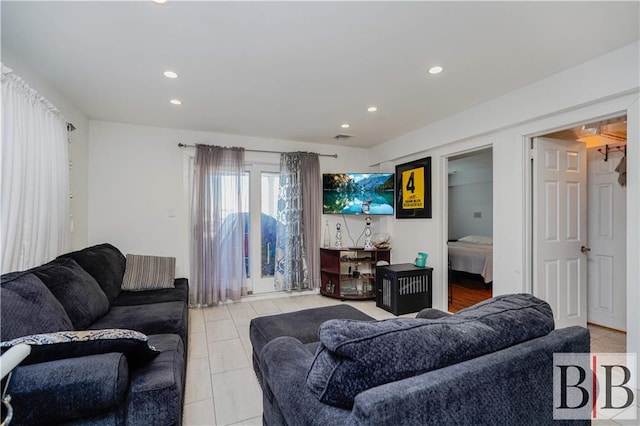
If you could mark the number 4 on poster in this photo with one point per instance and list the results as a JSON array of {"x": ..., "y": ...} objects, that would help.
[{"x": 413, "y": 188}]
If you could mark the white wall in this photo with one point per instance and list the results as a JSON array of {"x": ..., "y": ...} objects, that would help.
[
  {"x": 604, "y": 87},
  {"x": 489, "y": 124},
  {"x": 430, "y": 235},
  {"x": 79, "y": 143},
  {"x": 470, "y": 192},
  {"x": 137, "y": 175},
  {"x": 466, "y": 203}
]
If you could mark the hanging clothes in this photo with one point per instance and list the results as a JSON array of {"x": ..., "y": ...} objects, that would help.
[{"x": 622, "y": 171}]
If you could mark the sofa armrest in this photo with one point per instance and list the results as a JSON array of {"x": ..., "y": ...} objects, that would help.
[
  {"x": 285, "y": 362},
  {"x": 432, "y": 313},
  {"x": 59, "y": 391}
]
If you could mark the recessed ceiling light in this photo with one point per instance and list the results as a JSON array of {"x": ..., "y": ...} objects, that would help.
[
  {"x": 344, "y": 125},
  {"x": 170, "y": 74},
  {"x": 435, "y": 70},
  {"x": 372, "y": 109},
  {"x": 176, "y": 101},
  {"x": 160, "y": 1}
]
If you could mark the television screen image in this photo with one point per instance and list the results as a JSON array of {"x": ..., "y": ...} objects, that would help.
[{"x": 358, "y": 193}]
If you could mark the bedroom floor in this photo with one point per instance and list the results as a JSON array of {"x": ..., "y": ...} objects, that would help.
[
  {"x": 466, "y": 290},
  {"x": 221, "y": 387}
]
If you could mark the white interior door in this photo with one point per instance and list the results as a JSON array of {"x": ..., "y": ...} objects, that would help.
[
  {"x": 559, "y": 228},
  {"x": 607, "y": 264}
]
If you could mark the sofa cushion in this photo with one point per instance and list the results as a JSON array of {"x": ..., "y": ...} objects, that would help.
[
  {"x": 148, "y": 272},
  {"x": 28, "y": 307},
  {"x": 156, "y": 318},
  {"x": 77, "y": 291},
  {"x": 355, "y": 356},
  {"x": 303, "y": 325},
  {"x": 71, "y": 344},
  {"x": 105, "y": 263},
  {"x": 180, "y": 293}
]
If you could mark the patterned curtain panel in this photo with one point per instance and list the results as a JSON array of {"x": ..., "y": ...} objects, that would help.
[
  {"x": 217, "y": 223},
  {"x": 297, "y": 236}
]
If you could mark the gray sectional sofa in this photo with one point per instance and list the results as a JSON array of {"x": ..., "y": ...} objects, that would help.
[
  {"x": 490, "y": 364},
  {"x": 100, "y": 355}
]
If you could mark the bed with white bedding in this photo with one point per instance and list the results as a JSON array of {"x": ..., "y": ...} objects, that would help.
[{"x": 472, "y": 254}]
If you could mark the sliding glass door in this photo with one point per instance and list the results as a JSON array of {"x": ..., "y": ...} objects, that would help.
[{"x": 263, "y": 224}]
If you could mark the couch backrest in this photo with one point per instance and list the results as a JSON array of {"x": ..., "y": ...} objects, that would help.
[
  {"x": 355, "y": 355},
  {"x": 28, "y": 307},
  {"x": 105, "y": 263},
  {"x": 76, "y": 290},
  {"x": 513, "y": 386}
]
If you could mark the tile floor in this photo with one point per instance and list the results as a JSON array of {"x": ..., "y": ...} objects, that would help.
[{"x": 221, "y": 387}]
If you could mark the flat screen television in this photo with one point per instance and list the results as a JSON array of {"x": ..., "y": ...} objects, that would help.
[{"x": 358, "y": 193}]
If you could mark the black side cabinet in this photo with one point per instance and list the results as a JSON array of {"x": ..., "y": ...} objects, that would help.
[{"x": 403, "y": 288}]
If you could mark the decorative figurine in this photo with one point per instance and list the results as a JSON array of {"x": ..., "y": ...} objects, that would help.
[
  {"x": 368, "y": 241},
  {"x": 338, "y": 243},
  {"x": 327, "y": 238}
]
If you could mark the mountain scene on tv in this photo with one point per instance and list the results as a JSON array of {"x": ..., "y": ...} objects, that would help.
[{"x": 358, "y": 193}]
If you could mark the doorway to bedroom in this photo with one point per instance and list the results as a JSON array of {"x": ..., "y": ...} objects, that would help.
[{"x": 470, "y": 228}]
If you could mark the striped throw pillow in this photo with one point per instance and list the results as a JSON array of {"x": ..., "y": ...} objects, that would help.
[{"x": 148, "y": 272}]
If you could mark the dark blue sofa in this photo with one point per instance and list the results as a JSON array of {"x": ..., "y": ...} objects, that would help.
[
  {"x": 490, "y": 364},
  {"x": 103, "y": 382}
]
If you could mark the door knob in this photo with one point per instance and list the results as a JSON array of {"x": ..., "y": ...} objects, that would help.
[{"x": 584, "y": 249}]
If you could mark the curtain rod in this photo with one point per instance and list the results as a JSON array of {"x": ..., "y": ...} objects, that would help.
[{"x": 184, "y": 145}]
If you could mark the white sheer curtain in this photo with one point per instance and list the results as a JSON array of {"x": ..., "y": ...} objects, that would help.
[
  {"x": 217, "y": 221},
  {"x": 35, "y": 210}
]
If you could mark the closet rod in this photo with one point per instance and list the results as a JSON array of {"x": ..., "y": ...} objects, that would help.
[{"x": 184, "y": 145}]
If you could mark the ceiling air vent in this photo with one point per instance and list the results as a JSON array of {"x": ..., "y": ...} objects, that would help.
[{"x": 340, "y": 136}]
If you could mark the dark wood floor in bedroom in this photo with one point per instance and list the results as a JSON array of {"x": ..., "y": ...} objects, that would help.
[{"x": 466, "y": 290}]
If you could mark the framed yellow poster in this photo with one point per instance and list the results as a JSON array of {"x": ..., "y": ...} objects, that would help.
[{"x": 413, "y": 189}]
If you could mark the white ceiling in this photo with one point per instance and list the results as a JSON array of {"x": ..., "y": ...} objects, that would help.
[{"x": 297, "y": 70}]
